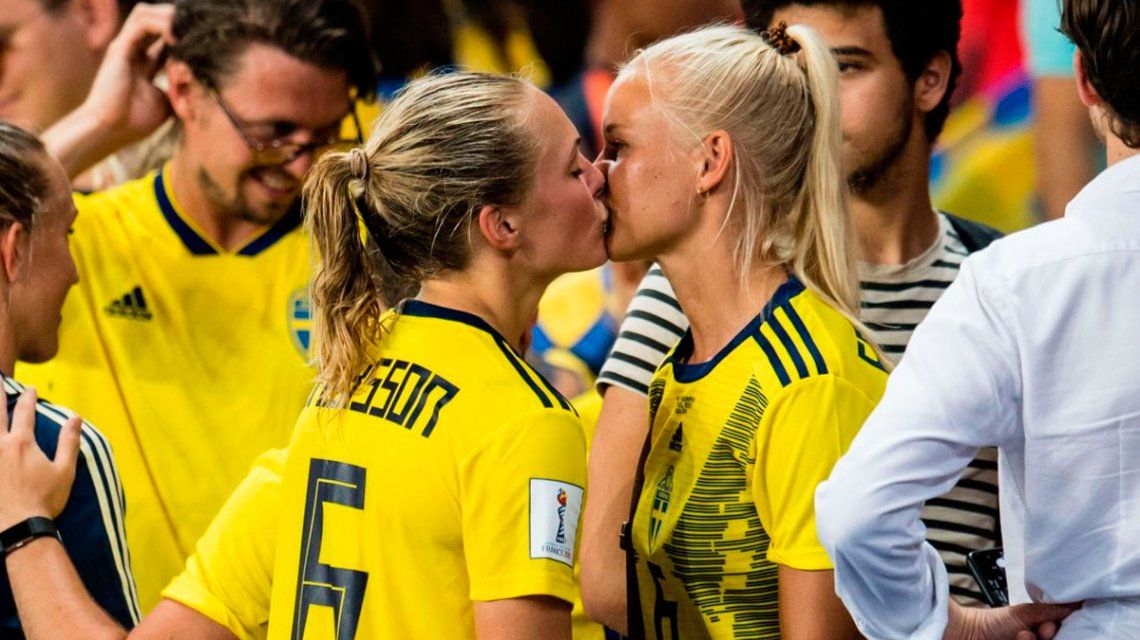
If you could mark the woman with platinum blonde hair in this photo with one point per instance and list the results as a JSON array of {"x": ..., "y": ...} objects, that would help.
[{"x": 722, "y": 160}]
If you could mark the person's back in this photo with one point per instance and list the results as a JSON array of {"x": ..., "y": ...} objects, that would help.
[
  {"x": 1067, "y": 289},
  {"x": 454, "y": 441}
]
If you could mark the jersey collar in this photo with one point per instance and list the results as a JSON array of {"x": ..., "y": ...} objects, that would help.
[
  {"x": 684, "y": 371},
  {"x": 197, "y": 244}
]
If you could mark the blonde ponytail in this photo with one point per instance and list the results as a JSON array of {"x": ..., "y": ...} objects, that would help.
[
  {"x": 825, "y": 236},
  {"x": 384, "y": 217},
  {"x": 347, "y": 300}
]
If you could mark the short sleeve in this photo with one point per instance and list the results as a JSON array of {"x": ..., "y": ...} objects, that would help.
[
  {"x": 804, "y": 431},
  {"x": 521, "y": 496},
  {"x": 653, "y": 324},
  {"x": 228, "y": 579}
]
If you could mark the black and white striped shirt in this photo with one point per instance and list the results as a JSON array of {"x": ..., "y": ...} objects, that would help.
[
  {"x": 895, "y": 299},
  {"x": 91, "y": 524}
]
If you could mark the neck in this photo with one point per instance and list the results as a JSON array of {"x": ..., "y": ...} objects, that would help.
[
  {"x": 701, "y": 272},
  {"x": 220, "y": 227},
  {"x": 505, "y": 300},
  {"x": 894, "y": 219},
  {"x": 8, "y": 354},
  {"x": 1118, "y": 151}
]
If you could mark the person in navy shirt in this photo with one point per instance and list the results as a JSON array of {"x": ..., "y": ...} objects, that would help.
[{"x": 80, "y": 536}]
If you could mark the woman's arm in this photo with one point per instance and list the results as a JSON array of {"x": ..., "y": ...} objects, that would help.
[
  {"x": 809, "y": 608},
  {"x": 537, "y": 618},
  {"x": 612, "y": 466}
]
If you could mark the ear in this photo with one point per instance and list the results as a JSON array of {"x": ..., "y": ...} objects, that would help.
[
  {"x": 14, "y": 241},
  {"x": 100, "y": 21},
  {"x": 181, "y": 87},
  {"x": 932, "y": 84},
  {"x": 1085, "y": 90},
  {"x": 716, "y": 159},
  {"x": 499, "y": 229}
]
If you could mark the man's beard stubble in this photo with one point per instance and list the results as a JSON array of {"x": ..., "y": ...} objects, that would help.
[
  {"x": 871, "y": 171},
  {"x": 238, "y": 206}
]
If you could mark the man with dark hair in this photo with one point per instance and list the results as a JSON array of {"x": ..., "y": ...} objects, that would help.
[
  {"x": 1034, "y": 350},
  {"x": 188, "y": 336},
  {"x": 898, "y": 65}
]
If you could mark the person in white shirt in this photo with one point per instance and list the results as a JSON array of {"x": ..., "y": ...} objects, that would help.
[{"x": 1034, "y": 349}]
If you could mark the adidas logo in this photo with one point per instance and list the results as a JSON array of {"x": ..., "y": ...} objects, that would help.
[
  {"x": 131, "y": 306},
  {"x": 675, "y": 444}
]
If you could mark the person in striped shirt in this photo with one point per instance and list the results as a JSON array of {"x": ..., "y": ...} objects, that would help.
[
  {"x": 36, "y": 272},
  {"x": 898, "y": 66}
]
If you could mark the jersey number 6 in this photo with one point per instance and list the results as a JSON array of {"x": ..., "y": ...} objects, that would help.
[{"x": 318, "y": 583}]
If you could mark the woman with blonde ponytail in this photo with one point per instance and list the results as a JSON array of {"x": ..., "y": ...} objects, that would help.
[
  {"x": 722, "y": 160},
  {"x": 434, "y": 482}
]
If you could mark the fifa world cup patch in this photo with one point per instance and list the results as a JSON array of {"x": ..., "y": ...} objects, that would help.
[{"x": 554, "y": 510}]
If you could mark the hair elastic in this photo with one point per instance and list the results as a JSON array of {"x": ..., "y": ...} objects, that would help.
[
  {"x": 780, "y": 40},
  {"x": 358, "y": 164}
]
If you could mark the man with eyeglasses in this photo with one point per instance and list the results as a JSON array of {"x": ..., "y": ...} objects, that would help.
[{"x": 188, "y": 336}]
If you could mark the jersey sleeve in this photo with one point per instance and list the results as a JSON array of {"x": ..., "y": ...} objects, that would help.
[
  {"x": 804, "y": 431},
  {"x": 228, "y": 579},
  {"x": 521, "y": 495},
  {"x": 653, "y": 324}
]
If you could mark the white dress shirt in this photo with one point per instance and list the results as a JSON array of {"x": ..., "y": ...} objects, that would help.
[{"x": 1034, "y": 349}]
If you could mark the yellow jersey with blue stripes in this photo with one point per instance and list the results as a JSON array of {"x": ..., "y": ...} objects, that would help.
[
  {"x": 453, "y": 474},
  {"x": 737, "y": 447},
  {"x": 192, "y": 360}
]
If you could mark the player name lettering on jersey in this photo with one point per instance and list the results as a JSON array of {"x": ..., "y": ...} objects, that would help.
[{"x": 399, "y": 391}]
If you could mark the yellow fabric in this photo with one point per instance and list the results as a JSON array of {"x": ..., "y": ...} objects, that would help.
[
  {"x": 229, "y": 577},
  {"x": 445, "y": 480},
  {"x": 476, "y": 50},
  {"x": 576, "y": 328},
  {"x": 738, "y": 445},
  {"x": 192, "y": 365}
]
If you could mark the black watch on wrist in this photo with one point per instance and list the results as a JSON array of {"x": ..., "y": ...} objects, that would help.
[{"x": 24, "y": 532}]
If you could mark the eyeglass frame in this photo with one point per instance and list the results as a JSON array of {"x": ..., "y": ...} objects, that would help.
[{"x": 289, "y": 151}]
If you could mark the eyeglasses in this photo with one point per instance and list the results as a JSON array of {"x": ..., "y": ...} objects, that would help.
[{"x": 281, "y": 150}]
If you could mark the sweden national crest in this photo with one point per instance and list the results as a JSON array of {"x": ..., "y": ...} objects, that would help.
[{"x": 300, "y": 321}]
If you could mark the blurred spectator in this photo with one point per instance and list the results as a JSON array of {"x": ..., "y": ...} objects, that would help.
[{"x": 49, "y": 53}]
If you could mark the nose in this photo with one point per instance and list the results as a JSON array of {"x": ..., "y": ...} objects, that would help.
[{"x": 299, "y": 166}]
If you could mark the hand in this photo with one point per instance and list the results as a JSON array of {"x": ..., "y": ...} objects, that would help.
[
  {"x": 30, "y": 483},
  {"x": 123, "y": 96},
  {"x": 1019, "y": 622}
]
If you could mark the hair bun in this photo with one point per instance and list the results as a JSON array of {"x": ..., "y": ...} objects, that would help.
[{"x": 780, "y": 40}]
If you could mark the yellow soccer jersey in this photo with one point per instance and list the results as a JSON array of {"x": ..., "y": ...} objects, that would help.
[
  {"x": 454, "y": 474},
  {"x": 192, "y": 360},
  {"x": 230, "y": 575},
  {"x": 738, "y": 445}
]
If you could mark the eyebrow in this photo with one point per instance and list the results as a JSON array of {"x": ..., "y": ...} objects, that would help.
[
  {"x": 574, "y": 150},
  {"x": 851, "y": 51}
]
